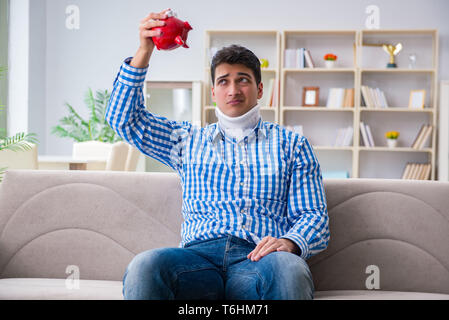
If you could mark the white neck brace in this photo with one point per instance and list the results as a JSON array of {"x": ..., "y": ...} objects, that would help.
[{"x": 238, "y": 127}]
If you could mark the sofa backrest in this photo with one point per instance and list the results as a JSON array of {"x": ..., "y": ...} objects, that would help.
[
  {"x": 391, "y": 233},
  {"x": 94, "y": 220}
]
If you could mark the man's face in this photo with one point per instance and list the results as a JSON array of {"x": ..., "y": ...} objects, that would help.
[{"x": 235, "y": 90}]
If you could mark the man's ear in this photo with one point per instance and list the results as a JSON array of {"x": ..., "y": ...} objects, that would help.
[
  {"x": 213, "y": 94},
  {"x": 260, "y": 90}
]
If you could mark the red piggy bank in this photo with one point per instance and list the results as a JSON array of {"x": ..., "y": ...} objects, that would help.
[{"x": 174, "y": 33}]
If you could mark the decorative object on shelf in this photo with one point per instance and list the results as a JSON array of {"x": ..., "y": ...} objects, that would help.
[
  {"x": 412, "y": 61},
  {"x": 173, "y": 33},
  {"x": 264, "y": 63},
  {"x": 417, "y": 98},
  {"x": 310, "y": 96},
  {"x": 392, "y": 51},
  {"x": 392, "y": 138},
  {"x": 329, "y": 60}
]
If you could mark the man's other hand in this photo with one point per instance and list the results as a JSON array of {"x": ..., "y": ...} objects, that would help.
[{"x": 271, "y": 244}]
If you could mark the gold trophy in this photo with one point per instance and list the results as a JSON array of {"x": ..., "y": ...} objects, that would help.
[{"x": 392, "y": 51}]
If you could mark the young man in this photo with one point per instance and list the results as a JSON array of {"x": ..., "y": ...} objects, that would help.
[{"x": 253, "y": 199}]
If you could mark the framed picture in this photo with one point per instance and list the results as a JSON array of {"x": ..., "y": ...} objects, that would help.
[
  {"x": 310, "y": 96},
  {"x": 417, "y": 98}
]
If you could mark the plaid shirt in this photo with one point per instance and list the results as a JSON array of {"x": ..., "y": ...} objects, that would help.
[{"x": 268, "y": 184}]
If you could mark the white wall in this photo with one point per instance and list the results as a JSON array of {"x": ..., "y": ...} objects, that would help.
[
  {"x": 18, "y": 67},
  {"x": 74, "y": 60}
]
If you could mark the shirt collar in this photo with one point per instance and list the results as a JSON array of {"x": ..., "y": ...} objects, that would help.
[{"x": 215, "y": 130}]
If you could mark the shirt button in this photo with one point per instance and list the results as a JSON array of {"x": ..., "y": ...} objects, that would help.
[
  {"x": 241, "y": 183},
  {"x": 242, "y": 211},
  {"x": 242, "y": 162}
]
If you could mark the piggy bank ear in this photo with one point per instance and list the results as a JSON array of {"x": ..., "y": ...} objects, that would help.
[
  {"x": 181, "y": 42},
  {"x": 187, "y": 26}
]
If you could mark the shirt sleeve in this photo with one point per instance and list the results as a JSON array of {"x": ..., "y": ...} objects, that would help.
[
  {"x": 307, "y": 208},
  {"x": 153, "y": 135}
]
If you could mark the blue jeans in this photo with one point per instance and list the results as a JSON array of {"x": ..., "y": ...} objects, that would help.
[{"x": 216, "y": 269}]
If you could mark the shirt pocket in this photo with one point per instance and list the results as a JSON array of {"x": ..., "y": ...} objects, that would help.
[{"x": 278, "y": 168}]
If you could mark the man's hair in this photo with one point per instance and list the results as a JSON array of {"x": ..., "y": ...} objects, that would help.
[{"x": 235, "y": 54}]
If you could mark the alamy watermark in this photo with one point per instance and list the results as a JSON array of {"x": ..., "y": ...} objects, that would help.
[
  {"x": 72, "y": 282},
  {"x": 72, "y": 20},
  {"x": 373, "y": 280},
  {"x": 373, "y": 19}
]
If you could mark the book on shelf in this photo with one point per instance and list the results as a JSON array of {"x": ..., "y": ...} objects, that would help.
[
  {"x": 367, "y": 136},
  {"x": 364, "y": 135},
  {"x": 417, "y": 171},
  {"x": 348, "y": 101},
  {"x": 344, "y": 137},
  {"x": 373, "y": 98},
  {"x": 370, "y": 136},
  {"x": 423, "y": 136},
  {"x": 308, "y": 59},
  {"x": 294, "y": 58},
  {"x": 298, "y": 58},
  {"x": 340, "y": 98}
]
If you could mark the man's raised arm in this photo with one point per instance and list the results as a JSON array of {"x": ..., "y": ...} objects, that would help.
[{"x": 153, "y": 135}]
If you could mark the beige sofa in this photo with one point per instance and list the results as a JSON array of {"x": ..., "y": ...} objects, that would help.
[{"x": 389, "y": 238}]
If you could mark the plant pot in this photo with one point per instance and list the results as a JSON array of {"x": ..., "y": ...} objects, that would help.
[
  {"x": 329, "y": 63},
  {"x": 392, "y": 143}
]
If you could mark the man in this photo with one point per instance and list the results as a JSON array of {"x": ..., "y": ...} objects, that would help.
[{"x": 253, "y": 200}]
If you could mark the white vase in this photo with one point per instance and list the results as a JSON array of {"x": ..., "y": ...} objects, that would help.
[
  {"x": 329, "y": 63},
  {"x": 392, "y": 143}
]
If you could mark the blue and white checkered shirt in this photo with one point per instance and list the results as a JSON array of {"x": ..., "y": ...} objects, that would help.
[{"x": 269, "y": 184}]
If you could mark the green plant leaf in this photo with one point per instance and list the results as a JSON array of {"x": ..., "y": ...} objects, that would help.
[
  {"x": 19, "y": 142},
  {"x": 95, "y": 128}
]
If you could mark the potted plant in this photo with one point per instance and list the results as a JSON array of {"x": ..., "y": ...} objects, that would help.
[
  {"x": 329, "y": 60},
  {"x": 17, "y": 142},
  {"x": 96, "y": 128},
  {"x": 392, "y": 138}
]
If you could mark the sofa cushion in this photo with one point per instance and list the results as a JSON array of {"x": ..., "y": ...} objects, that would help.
[
  {"x": 56, "y": 289},
  {"x": 377, "y": 295}
]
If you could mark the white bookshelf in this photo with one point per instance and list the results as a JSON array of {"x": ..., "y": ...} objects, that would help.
[
  {"x": 397, "y": 83},
  {"x": 321, "y": 123},
  {"x": 357, "y": 65}
]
